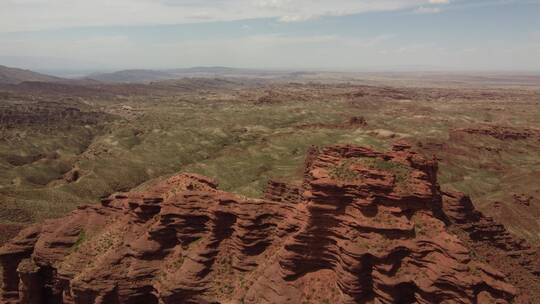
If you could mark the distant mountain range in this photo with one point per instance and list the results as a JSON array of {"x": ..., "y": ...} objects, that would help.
[
  {"x": 9, "y": 75},
  {"x": 131, "y": 76},
  {"x": 15, "y": 76},
  {"x": 127, "y": 76}
]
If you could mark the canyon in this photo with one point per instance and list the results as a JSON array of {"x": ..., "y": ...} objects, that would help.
[{"x": 301, "y": 188}]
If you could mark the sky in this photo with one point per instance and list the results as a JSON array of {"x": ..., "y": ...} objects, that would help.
[{"x": 475, "y": 35}]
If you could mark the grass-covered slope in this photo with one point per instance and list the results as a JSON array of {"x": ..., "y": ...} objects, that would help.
[{"x": 244, "y": 137}]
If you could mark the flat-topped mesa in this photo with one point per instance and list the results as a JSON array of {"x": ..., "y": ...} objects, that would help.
[
  {"x": 400, "y": 178},
  {"x": 362, "y": 227}
]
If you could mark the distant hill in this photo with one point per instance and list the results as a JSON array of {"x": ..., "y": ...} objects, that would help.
[
  {"x": 132, "y": 76},
  {"x": 15, "y": 76},
  {"x": 214, "y": 70},
  {"x": 141, "y": 76}
]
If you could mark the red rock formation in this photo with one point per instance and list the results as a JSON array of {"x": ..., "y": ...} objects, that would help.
[
  {"x": 371, "y": 221},
  {"x": 499, "y": 132},
  {"x": 461, "y": 212},
  {"x": 12, "y": 254},
  {"x": 279, "y": 96},
  {"x": 282, "y": 192},
  {"x": 354, "y": 122},
  {"x": 46, "y": 115},
  {"x": 9, "y": 231},
  {"x": 491, "y": 241},
  {"x": 364, "y": 227},
  {"x": 523, "y": 199}
]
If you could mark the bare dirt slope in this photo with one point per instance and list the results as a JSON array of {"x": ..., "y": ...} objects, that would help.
[{"x": 14, "y": 76}]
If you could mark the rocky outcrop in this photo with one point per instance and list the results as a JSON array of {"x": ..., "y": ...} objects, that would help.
[
  {"x": 491, "y": 241},
  {"x": 9, "y": 231},
  {"x": 282, "y": 192},
  {"x": 272, "y": 96},
  {"x": 11, "y": 256},
  {"x": 354, "y": 122},
  {"x": 461, "y": 212},
  {"x": 363, "y": 227},
  {"x": 47, "y": 114},
  {"x": 372, "y": 223},
  {"x": 498, "y": 132}
]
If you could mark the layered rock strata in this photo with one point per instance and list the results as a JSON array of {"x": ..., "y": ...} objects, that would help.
[
  {"x": 490, "y": 241},
  {"x": 362, "y": 227}
]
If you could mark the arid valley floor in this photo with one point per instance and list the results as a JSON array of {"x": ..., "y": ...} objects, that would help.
[{"x": 263, "y": 140}]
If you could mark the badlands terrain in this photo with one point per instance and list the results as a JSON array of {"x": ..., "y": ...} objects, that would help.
[{"x": 217, "y": 185}]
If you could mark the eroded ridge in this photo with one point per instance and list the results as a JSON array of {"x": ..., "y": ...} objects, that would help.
[
  {"x": 362, "y": 227},
  {"x": 490, "y": 241}
]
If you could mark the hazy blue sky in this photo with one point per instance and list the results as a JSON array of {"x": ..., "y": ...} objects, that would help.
[{"x": 344, "y": 34}]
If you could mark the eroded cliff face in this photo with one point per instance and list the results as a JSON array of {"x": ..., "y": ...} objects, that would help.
[
  {"x": 362, "y": 227},
  {"x": 490, "y": 241}
]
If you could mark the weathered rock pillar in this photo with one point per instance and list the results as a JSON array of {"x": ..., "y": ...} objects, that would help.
[
  {"x": 31, "y": 283},
  {"x": 10, "y": 281}
]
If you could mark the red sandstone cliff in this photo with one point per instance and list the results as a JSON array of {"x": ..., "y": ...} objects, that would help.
[{"x": 363, "y": 227}]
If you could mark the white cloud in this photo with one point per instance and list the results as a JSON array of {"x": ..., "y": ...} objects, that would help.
[
  {"x": 21, "y": 15},
  {"x": 266, "y": 51},
  {"x": 278, "y": 40},
  {"x": 262, "y": 50},
  {"x": 433, "y": 8},
  {"x": 428, "y": 10},
  {"x": 296, "y": 18}
]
